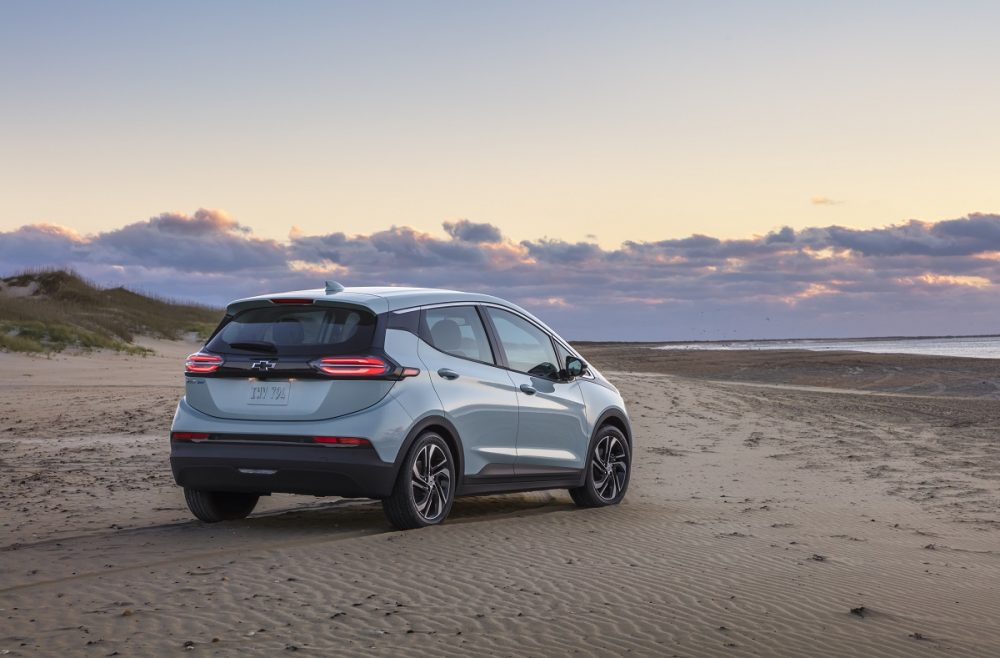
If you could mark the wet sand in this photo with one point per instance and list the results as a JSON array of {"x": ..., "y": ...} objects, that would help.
[{"x": 771, "y": 496}]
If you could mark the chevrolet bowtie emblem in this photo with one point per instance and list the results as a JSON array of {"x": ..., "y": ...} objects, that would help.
[{"x": 263, "y": 366}]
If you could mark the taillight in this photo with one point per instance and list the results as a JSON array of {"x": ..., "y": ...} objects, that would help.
[
  {"x": 361, "y": 366},
  {"x": 201, "y": 363},
  {"x": 351, "y": 366},
  {"x": 341, "y": 440},
  {"x": 188, "y": 436}
]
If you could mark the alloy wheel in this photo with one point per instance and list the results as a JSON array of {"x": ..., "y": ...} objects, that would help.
[
  {"x": 430, "y": 482},
  {"x": 609, "y": 463}
]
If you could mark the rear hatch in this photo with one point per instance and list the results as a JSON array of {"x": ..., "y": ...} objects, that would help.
[{"x": 290, "y": 361}]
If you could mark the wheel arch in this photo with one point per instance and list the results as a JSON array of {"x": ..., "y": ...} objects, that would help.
[
  {"x": 446, "y": 429},
  {"x": 617, "y": 419}
]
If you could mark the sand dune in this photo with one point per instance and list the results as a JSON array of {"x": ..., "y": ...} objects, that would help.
[{"x": 759, "y": 518}]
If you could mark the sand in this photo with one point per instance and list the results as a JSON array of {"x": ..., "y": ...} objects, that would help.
[{"x": 769, "y": 500}]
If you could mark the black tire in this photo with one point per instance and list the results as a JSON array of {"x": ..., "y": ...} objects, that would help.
[
  {"x": 425, "y": 486},
  {"x": 215, "y": 506},
  {"x": 609, "y": 448}
]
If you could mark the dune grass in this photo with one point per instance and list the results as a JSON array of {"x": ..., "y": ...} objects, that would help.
[{"x": 49, "y": 311}]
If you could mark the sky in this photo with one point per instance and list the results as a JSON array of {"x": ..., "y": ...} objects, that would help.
[{"x": 625, "y": 169}]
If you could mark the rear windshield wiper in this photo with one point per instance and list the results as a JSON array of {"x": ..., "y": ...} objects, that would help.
[{"x": 255, "y": 346}]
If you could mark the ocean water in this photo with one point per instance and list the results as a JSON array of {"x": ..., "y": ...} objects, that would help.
[{"x": 980, "y": 347}]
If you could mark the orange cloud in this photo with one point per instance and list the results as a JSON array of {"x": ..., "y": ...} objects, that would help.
[{"x": 948, "y": 280}]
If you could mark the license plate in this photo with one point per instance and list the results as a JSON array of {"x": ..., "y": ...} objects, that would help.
[{"x": 271, "y": 393}]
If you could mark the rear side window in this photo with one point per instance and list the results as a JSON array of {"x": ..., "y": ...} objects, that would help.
[
  {"x": 297, "y": 330},
  {"x": 459, "y": 331},
  {"x": 528, "y": 348}
]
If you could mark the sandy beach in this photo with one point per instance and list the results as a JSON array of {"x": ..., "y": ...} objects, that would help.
[{"x": 782, "y": 503}]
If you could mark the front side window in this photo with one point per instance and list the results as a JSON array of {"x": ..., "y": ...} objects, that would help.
[
  {"x": 528, "y": 348},
  {"x": 296, "y": 330},
  {"x": 458, "y": 330},
  {"x": 563, "y": 355}
]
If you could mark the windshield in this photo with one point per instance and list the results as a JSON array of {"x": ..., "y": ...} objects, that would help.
[{"x": 296, "y": 330}]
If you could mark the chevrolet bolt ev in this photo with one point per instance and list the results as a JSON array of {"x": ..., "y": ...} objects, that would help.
[{"x": 411, "y": 396}]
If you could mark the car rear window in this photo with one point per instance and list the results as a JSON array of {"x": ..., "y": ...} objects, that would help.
[{"x": 296, "y": 330}]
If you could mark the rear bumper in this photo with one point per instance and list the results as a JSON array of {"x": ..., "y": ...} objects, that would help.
[{"x": 257, "y": 467}]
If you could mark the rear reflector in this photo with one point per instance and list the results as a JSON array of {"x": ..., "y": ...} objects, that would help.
[
  {"x": 342, "y": 440},
  {"x": 291, "y": 300},
  {"x": 351, "y": 366},
  {"x": 187, "y": 436},
  {"x": 201, "y": 363}
]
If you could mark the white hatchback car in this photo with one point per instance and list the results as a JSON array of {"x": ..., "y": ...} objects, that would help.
[{"x": 412, "y": 396}]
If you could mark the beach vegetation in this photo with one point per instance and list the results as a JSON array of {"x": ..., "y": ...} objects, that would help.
[{"x": 53, "y": 310}]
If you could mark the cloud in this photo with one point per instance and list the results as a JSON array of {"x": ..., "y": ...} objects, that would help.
[
  {"x": 468, "y": 231},
  {"x": 824, "y": 201},
  {"x": 912, "y": 277},
  {"x": 563, "y": 253},
  {"x": 207, "y": 241},
  {"x": 35, "y": 244}
]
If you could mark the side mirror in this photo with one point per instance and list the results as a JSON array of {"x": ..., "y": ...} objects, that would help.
[{"x": 575, "y": 367}]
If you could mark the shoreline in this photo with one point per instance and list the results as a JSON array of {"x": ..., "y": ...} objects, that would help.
[
  {"x": 859, "y": 339},
  {"x": 866, "y": 371}
]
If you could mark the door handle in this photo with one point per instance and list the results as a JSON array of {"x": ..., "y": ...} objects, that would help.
[
  {"x": 528, "y": 389},
  {"x": 447, "y": 373}
]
